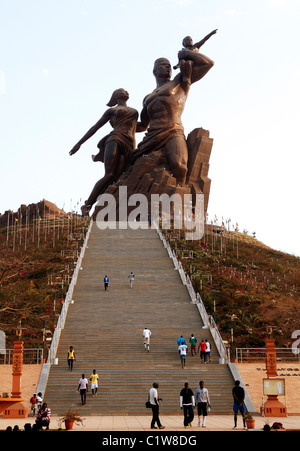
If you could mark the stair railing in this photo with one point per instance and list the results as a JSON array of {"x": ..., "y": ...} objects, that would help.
[{"x": 207, "y": 320}]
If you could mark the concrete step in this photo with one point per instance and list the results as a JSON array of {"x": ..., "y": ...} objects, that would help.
[{"x": 105, "y": 329}]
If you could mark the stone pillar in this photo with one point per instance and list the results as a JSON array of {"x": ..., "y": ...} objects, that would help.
[
  {"x": 271, "y": 358},
  {"x": 17, "y": 368}
]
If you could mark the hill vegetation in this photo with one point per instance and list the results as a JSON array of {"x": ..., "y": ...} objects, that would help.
[
  {"x": 240, "y": 280},
  {"x": 37, "y": 261},
  {"x": 243, "y": 281}
]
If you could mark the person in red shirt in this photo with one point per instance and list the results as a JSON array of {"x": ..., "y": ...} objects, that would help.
[
  {"x": 33, "y": 402},
  {"x": 202, "y": 347}
]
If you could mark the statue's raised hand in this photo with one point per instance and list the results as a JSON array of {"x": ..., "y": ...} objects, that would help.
[{"x": 75, "y": 149}]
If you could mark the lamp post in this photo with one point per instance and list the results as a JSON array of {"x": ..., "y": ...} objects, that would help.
[
  {"x": 232, "y": 317},
  {"x": 44, "y": 338}
]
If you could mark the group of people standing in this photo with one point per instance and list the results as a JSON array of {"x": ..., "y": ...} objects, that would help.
[{"x": 188, "y": 401}]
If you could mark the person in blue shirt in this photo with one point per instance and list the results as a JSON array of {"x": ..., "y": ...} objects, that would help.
[
  {"x": 106, "y": 280},
  {"x": 181, "y": 341}
]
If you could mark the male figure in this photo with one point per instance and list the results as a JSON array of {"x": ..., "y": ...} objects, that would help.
[
  {"x": 182, "y": 352},
  {"x": 202, "y": 402},
  {"x": 193, "y": 341},
  {"x": 202, "y": 347},
  {"x": 147, "y": 334},
  {"x": 33, "y": 402},
  {"x": 207, "y": 351},
  {"x": 187, "y": 402},
  {"x": 106, "y": 280},
  {"x": 181, "y": 341},
  {"x": 238, "y": 394},
  {"x": 131, "y": 279},
  {"x": 71, "y": 358},
  {"x": 83, "y": 387},
  {"x": 162, "y": 110},
  {"x": 154, "y": 401},
  {"x": 39, "y": 401},
  {"x": 94, "y": 383}
]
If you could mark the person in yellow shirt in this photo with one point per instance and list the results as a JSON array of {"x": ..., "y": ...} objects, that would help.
[
  {"x": 71, "y": 358},
  {"x": 94, "y": 380}
]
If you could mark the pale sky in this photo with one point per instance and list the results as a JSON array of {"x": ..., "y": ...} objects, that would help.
[{"x": 60, "y": 61}]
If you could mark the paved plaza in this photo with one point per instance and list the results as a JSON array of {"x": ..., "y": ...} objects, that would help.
[{"x": 171, "y": 423}]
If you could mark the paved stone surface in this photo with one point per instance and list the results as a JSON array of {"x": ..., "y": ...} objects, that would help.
[{"x": 171, "y": 423}]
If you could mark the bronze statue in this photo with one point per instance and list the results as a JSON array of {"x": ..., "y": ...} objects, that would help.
[
  {"x": 186, "y": 64},
  {"x": 162, "y": 110},
  {"x": 115, "y": 149}
]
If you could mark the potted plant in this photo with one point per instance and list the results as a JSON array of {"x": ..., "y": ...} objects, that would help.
[
  {"x": 70, "y": 417},
  {"x": 250, "y": 422}
]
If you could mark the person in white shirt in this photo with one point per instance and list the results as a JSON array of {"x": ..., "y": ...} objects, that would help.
[
  {"x": 202, "y": 402},
  {"x": 39, "y": 401},
  {"x": 147, "y": 334},
  {"x": 154, "y": 401},
  {"x": 131, "y": 279},
  {"x": 207, "y": 352},
  {"x": 182, "y": 352},
  {"x": 83, "y": 387}
]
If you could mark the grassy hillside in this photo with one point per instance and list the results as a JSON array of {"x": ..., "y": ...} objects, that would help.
[
  {"x": 238, "y": 275},
  {"x": 234, "y": 273},
  {"x": 36, "y": 266}
]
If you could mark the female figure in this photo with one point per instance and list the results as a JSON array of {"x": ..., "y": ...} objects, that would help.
[{"x": 115, "y": 149}]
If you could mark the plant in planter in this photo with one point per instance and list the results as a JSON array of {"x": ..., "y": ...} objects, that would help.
[
  {"x": 70, "y": 417},
  {"x": 250, "y": 422}
]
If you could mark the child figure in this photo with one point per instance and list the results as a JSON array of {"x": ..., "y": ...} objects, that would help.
[{"x": 186, "y": 64}]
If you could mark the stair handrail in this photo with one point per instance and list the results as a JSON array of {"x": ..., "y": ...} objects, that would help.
[
  {"x": 191, "y": 290},
  {"x": 207, "y": 320},
  {"x": 63, "y": 314}
]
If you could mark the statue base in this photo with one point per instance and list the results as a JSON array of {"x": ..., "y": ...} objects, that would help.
[{"x": 150, "y": 174}]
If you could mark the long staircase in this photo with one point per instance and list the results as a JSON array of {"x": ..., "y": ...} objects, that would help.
[{"x": 105, "y": 329}]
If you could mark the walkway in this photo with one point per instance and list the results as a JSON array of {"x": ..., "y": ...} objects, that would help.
[{"x": 172, "y": 423}]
